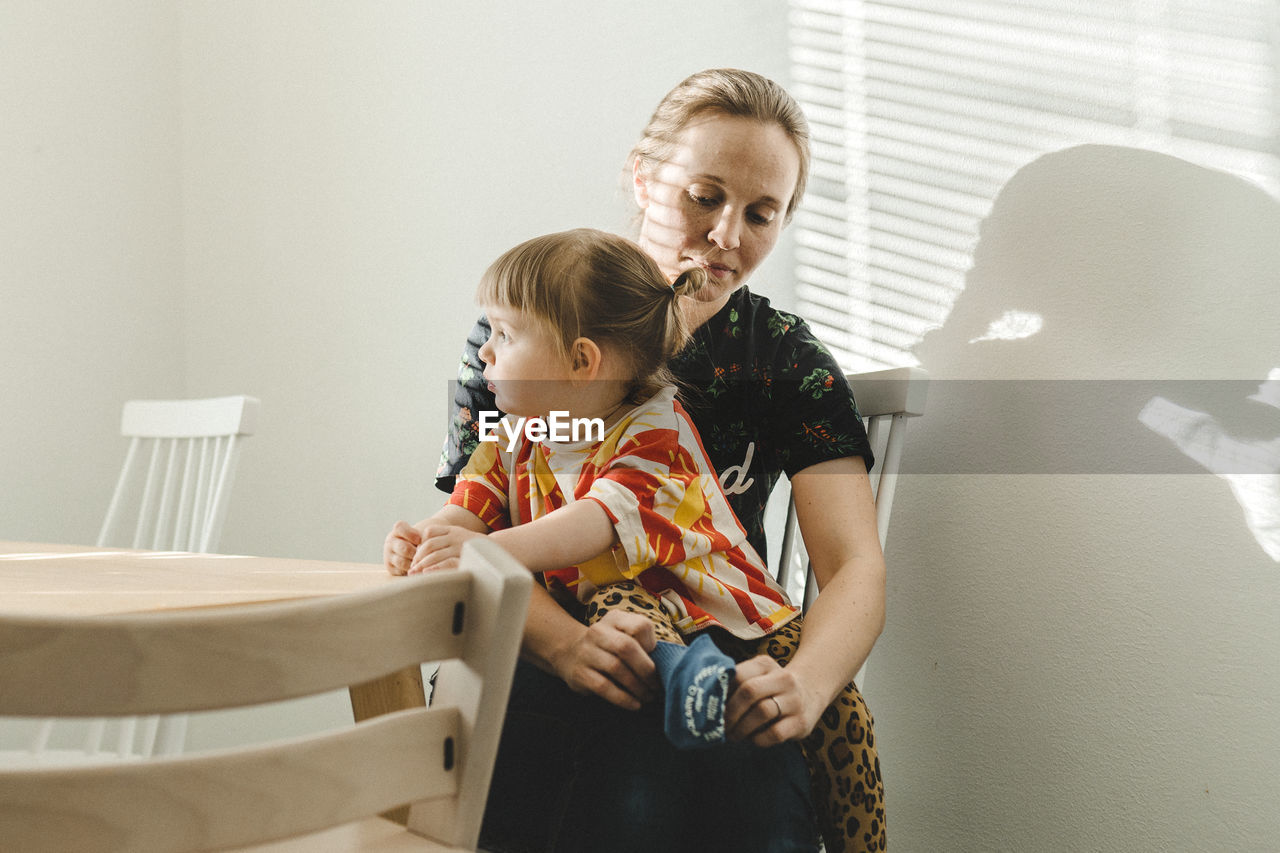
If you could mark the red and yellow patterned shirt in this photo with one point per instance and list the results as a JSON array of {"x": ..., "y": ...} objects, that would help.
[{"x": 677, "y": 535}]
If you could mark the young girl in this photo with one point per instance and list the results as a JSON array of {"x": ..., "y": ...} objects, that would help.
[{"x": 583, "y": 323}]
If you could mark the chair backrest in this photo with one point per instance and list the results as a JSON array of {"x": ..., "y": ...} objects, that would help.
[
  {"x": 172, "y": 493},
  {"x": 886, "y": 400},
  {"x": 202, "y": 659},
  {"x": 176, "y": 480}
]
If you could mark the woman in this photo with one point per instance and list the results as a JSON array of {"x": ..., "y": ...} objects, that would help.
[{"x": 718, "y": 172}]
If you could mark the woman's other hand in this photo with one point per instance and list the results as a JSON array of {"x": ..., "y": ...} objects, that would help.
[
  {"x": 611, "y": 659},
  {"x": 769, "y": 704},
  {"x": 400, "y": 546}
]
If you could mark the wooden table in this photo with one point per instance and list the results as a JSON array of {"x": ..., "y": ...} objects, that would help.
[{"x": 38, "y": 578}]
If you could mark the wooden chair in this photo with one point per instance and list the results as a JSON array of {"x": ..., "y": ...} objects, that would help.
[
  {"x": 886, "y": 400},
  {"x": 438, "y": 759},
  {"x": 182, "y": 458},
  {"x": 172, "y": 494}
]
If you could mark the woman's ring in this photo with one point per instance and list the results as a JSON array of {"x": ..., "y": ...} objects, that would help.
[{"x": 777, "y": 705}]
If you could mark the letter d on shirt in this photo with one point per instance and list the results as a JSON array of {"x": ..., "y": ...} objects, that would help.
[{"x": 731, "y": 479}]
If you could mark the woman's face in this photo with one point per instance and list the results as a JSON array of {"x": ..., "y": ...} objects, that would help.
[{"x": 719, "y": 201}]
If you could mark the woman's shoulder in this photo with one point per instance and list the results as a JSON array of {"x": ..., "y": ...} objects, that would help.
[{"x": 780, "y": 338}]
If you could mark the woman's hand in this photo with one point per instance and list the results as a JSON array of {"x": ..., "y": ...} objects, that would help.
[
  {"x": 441, "y": 547},
  {"x": 400, "y": 546},
  {"x": 769, "y": 704},
  {"x": 611, "y": 659}
]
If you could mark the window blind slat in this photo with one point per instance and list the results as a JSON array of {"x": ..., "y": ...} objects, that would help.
[{"x": 921, "y": 110}]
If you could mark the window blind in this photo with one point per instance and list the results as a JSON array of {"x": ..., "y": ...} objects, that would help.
[{"x": 921, "y": 110}]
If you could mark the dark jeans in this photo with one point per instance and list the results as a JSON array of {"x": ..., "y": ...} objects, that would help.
[{"x": 575, "y": 775}]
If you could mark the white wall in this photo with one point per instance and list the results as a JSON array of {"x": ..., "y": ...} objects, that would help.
[
  {"x": 350, "y": 170},
  {"x": 294, "y": 200},
  {"x": 1078, "y": 660},
  {"x": 90, "y": 225}
]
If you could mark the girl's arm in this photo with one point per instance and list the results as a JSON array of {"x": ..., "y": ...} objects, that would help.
[
  {"x": 610, "y": 658},
  {"x": 567, "y": 536},
  {"x": 402, "y": 543},
  {"x": 838, "y": 521}
]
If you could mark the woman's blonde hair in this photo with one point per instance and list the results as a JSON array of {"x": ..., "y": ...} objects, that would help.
[
  {"x": 586, "y": 283},
  {"x": 732, "y": 92}
]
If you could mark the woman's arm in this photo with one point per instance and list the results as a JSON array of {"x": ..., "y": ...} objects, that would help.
[{"x": 837, "y": 519}]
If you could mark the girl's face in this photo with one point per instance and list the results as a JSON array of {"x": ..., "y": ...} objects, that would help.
[
  {"x": 524, "y": 369},
  {"x": 719, "y": 201}
]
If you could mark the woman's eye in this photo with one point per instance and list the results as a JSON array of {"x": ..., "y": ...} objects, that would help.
[
  {"x": 760, "y": 218},
  {"x": 703, "y": 200}
]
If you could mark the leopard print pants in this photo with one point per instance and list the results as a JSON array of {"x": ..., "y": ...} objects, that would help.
[{"x": 844, "y": 769}]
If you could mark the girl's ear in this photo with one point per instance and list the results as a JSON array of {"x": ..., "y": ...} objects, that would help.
[
  {"x": 639, "y": 185},
  {"x": 585, "y": 356}
]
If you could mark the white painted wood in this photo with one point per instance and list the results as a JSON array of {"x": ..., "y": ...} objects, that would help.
[
  {"x": 200, "y": 438},
  {"x": 886, "y": 400},
  {"x": 222, "y": 657}
]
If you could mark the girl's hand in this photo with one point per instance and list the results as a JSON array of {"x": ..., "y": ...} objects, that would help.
[
  {"x": 398, "y": 549},
  {"x": 611, "y": 659},
  {"x": 441, "y": 548},
  {"x": 769, "y": 704}
]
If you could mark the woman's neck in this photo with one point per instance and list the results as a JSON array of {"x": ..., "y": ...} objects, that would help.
[{"x": 697, "y": 313}]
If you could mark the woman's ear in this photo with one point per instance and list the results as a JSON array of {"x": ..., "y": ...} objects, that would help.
[
  {"x": 585, "y": 359},
  {"x": 639, "y": 185}
]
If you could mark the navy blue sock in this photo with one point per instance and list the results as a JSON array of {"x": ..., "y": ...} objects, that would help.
[{"x": 696, "y": 679}]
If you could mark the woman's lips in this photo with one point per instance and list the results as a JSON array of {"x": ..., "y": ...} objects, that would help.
[{"x": 715, "y": 270}]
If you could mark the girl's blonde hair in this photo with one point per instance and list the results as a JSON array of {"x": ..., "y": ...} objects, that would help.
[
  {"x": 586, "y": 283},
  {"x": 732, "y": 92}
]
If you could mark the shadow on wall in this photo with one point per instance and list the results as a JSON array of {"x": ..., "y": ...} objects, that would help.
[
  {"x": 1118, "y": 295},
  {"x": 1082, "y": 645}
]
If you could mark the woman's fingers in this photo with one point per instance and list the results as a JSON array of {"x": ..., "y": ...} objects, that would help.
[
  {"x": 611, "y": 659},
  {"x": 767, "y": 705}
]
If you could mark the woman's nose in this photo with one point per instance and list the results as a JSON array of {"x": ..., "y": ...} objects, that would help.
[{"x": 726, "y": 231}]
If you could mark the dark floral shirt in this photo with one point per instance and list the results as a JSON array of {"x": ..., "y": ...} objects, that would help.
[{"x": 766, "y": 396}]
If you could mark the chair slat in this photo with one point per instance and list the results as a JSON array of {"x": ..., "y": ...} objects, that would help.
[
  {"x": 272, "y": 792},
  {"x": 146, "y": 514},
  {"x": 165, "y": 510},
  {"x": 186, "y": 500},
  {"x": 438, "y": 760}
]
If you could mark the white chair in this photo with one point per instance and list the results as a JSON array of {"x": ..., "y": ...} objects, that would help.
[
  {"x": 324, "y": 790},
  {"x": 172, "y": 494},
  {"x": 886, "y": 400},
  {"x": 182, "y": 458}
]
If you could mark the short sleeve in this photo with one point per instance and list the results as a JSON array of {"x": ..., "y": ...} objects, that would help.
[
  {"x": 470, "y": 396},
  {"x": 481, "y": 487},
  {"x": 662, "y": 501},
  {"x": 817, "y": 418}
]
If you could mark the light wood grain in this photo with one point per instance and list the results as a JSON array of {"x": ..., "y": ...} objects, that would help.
[{"x": 120, "y": 661}]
